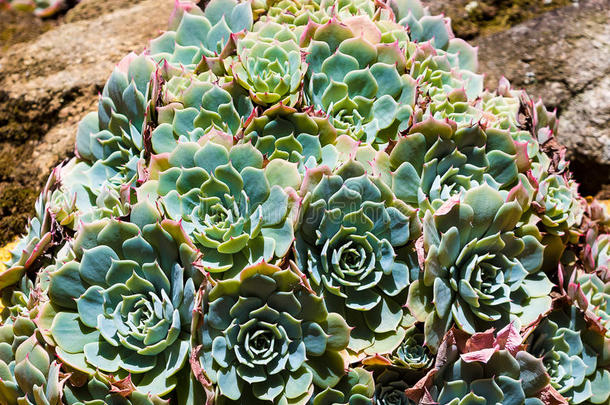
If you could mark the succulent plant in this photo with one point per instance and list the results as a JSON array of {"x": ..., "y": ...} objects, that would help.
[
  {"x": 448, "y": 83},
  {"x": 297, "y": 14},
  {"x": 123, "y": 305},
  {"x": 269, "y": 65},
  {"x": 353, "y": 245},
  {"x": 37, "y": 247},
  {"x": 266, "y": 336},
  {"x": 401, "y": 370},
  {"x": 478, "y": 272},
  {"x": 359, "y": 81},
  {"x": 27, "y": 373},
  {"x": 282, "y": 132},
  {"x": 390, "y": 387},
  {"x": 236, "y": 212},
  {"x": 597, "y": 252},
  {"x": 486, "y": 369},
  {"x": 574, "y": 357},
  {"x": 75, "y": 192},
  {"x": 100, "y": 390},
  {"x": 422, "y": 26},
  {"x": 113, "y": 135},
  {"x": 33, "y": 244},
  {"x": 200, "y": 39},
  {"x": 14, "y": 301},
  {"x": 559, "y": 207},
  {"x": 191, "y": 106},
  {"x": 411, "y": 355},
  {"x": 309, "y": 202},
  {"x": 355, "y": 388},
  {"x": 436, "y": 160},
  {"x": 597, "y": 299}
]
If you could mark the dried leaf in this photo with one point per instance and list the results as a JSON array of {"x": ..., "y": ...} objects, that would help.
[{"x": 122, "y": 387}]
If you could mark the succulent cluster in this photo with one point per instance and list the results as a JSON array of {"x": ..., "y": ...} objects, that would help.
[
  {"x": 41, "y": 8},
  {"x": 309, "y": 202}
]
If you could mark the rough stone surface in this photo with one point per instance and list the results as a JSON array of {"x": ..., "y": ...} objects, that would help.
[
  {"x": 48, "y": 84},
  {"x": 91, "y": 9},
  {"x": 18, "y": 27},
  {"x": 585, "y": 128},
  {"x": 470, "y": 18},
  {"x": 564, "y": 58}
]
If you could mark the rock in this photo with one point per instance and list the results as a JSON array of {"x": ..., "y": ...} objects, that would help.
[
  {"x": 564, "y": 58},
  {"x": 585, "y": 128},
  {"x": 91, "y": 9},
  {"x": 473, "y": 18},
  {"x": 20, "y": 27},
  {"x": 50, "y": 82}
]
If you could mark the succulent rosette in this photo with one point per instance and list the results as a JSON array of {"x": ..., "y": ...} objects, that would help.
[
  {"x": 357, "y": 387},
  {"x": 33, "y": 244},
  {"x": 448, "y": 80},
  {"x": 411, "y": 355},
  {"x": 437, "y": 160},
  {"x": 353, "y": 245},
  {"x": 576, "y": 358},
  {"x": 123, "y": 304},
  {"x": 502, "y": 106},
  {"x": 597, "y": 252},
  {"x": 390, "y": 388},
  {"x": 493, "y": 382},
  {"x": 236, "y": 211},
  {"x": 299, "y": 13},
  {"x": 269, "y": 65},
  {"x": 75, "y": 191},
  {"x": 359, "y": 80},
  {"x": 436, "y": 30},
  {"x": 265, "y": 337},
  {"x": 422, "y": 26},
  {"x": 486, "y": 369},
  {"x": 102, "y": 390},
  {"x": 560, "y": 208},
  {"x": 478, "y": 272},
  {"x": 113, "y": 135},
  {"x": 292, "y": 12},
  {"x": 597, "y": 294},
  {"x": 502, "y": 109},
  {"x": 28, "y": 373},
  {"x": 400, "y": 370},
  {"x": 14, "y": 301},
  {"x": 283, "y": 132},
  {"x": 83, "y": 193},
  {"x": 191, "y": 106},
  {"x": 201, "y": 39},
  {"x": 454, "y": 91}
]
